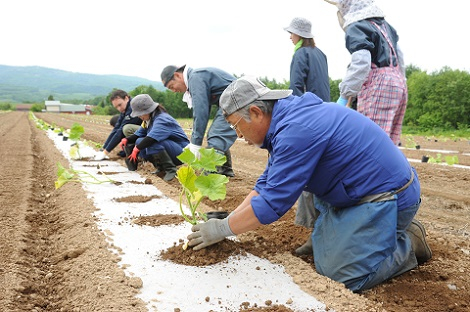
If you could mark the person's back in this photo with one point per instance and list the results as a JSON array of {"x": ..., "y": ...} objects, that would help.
[
  {"x": 308, "y": 72},
  {"x": 314, "y": 78},
  {"x": 330, "y": 159},
  {"x": 202, "y": 88},
  {"x": 309, "y": 65},
  {"x": 211, "y": 78},
  {"x": 376, "y": 73},
  {"x": 113, "y": 120}
]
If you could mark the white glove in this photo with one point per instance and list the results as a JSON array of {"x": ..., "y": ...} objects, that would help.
[
  {"x": 208, "y": 233},
  {"x": 101, "y": 156},
  {"x": 194, "y": 149}
]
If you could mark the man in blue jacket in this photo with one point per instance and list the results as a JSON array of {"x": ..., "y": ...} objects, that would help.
[
  {"x": 202, "y": 88},
  {"x": 125, "y": 126},
  {"x": 365, "y": 189}
]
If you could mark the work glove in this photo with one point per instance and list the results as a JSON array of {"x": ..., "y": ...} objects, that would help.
[
  {"x": 194, "y": 149},
  {"x": 101, "y": 156},
  {"x": 133, "y": 155},
  {"x": 208, "y": 233},
  {"x": 123, "y": 143},
  {"x": 342, "y": 101}
]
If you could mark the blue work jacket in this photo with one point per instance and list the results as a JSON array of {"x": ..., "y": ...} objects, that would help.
[
  {"x": 309, "y": 72},
  {"x": 205, "y": 86},
  {"x": 331, "y": 151},
  {"x": 116, "y": 134}
]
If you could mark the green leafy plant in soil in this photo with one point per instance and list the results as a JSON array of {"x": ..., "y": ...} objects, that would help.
[
  {"x": 436, "y": 160},
  {"x": 40, "y": 124},
  {"x": 198, "y": 180},
  {"x": 71, "y": 175},
  {"x": 75, "y": 134},
  {"x": 451, "y": 160},
  {"x": 410, "y": 142}
]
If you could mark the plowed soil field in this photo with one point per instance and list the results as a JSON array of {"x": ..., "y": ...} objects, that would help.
[{"x": 54, "y": 258}]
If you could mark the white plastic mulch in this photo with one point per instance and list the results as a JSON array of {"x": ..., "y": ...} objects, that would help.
[{"x": 166, "y": 285}]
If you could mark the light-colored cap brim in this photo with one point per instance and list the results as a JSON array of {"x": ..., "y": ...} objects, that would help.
[{"x": 276, "y": 95}]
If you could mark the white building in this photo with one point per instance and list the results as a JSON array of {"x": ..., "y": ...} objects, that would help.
[{"x": 57, "y": 107}]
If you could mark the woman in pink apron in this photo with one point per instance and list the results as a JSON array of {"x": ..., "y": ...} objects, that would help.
[{"x": 376, "y": 73}]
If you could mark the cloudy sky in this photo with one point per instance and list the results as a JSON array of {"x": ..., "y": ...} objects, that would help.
[{"x": 140, "y": 37}]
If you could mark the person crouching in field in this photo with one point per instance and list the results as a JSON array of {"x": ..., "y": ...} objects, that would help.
[
  {"x": 124, "y": 126},
  {"x": 159, "y": 139},
  {"x": 363, "y": 185}
]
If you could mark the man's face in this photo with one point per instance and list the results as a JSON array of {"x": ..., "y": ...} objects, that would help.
[
  {"x": 176, "y": 83},
  {"x": 254, "y": 130},
  {"x": 120, "y": 104}
]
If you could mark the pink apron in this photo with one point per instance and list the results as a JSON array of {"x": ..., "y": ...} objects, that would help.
[{"x": 384, "y": 95}]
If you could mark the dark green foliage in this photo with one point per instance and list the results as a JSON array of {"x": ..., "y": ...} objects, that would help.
[
  {"x": 6, "y": 106},
  {"x": 37, "y": 107},
  {"x": 334, "y": 90},
  {"x": 273, "y": 84},
  {"x": 438, "y": 100},
  {"x": 171, "y": 101}
]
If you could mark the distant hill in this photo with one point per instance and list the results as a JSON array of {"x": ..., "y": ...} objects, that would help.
[{"x": 28, "y": 84}]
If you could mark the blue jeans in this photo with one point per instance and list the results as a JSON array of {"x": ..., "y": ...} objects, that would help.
[
  {"x": 220, "y": 136},
  {"x": 364, "y": 245}
]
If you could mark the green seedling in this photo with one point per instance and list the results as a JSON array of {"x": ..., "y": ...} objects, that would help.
[
  {"x": 198, "y": 180},
  {"x": 436, "y": 160},
  {"x": 452, "y": 160},
  {"x": 41, "y": 124},
  {"x": 74, "y": 134},
  {"x": 410, "y": 142},
  {"x": 70, "y": 175}
]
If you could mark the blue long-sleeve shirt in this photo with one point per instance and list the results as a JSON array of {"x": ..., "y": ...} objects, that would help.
[
  {"x": 331, "y": 151},
  {"x": 116, "y": 134}
]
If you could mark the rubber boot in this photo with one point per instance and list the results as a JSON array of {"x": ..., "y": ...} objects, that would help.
[
  {"x": 306, "y": 249},
  {"x": 226, "y": 168},
  {"x": 157, "y": 170},
  {"x": 162, "y": 161},
  {"x": 131, "y": 165},
  {"x": 419, "y": 245}
]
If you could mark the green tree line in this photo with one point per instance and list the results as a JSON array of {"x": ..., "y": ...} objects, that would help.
[{"x": 439, "y": 100}]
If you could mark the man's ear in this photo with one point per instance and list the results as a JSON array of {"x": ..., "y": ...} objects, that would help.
[
  {"x": 256, "y": 112},
  {"x": 179, "y": 75}
]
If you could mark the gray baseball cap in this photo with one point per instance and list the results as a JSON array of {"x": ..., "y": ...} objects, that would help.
[
  {"x": 301, "y": 27},
  {"x": 142, "y": 104},
  {"x": 168, "y": 72},
  {"x": 246, "y": 90}
]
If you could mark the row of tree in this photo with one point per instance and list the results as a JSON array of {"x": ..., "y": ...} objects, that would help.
[{"x": 437, "y": 100}]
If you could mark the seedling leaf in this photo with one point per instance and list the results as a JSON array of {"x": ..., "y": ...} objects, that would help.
[
  {"x": 212, "y": 186},
  {"x": 186, "y": 176},
  {"x": 76, "y": 132},
  {"x": 198, "y": 182},
  {"x": 209, "y": 159},
  {"x": 186, "y": 156}
]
